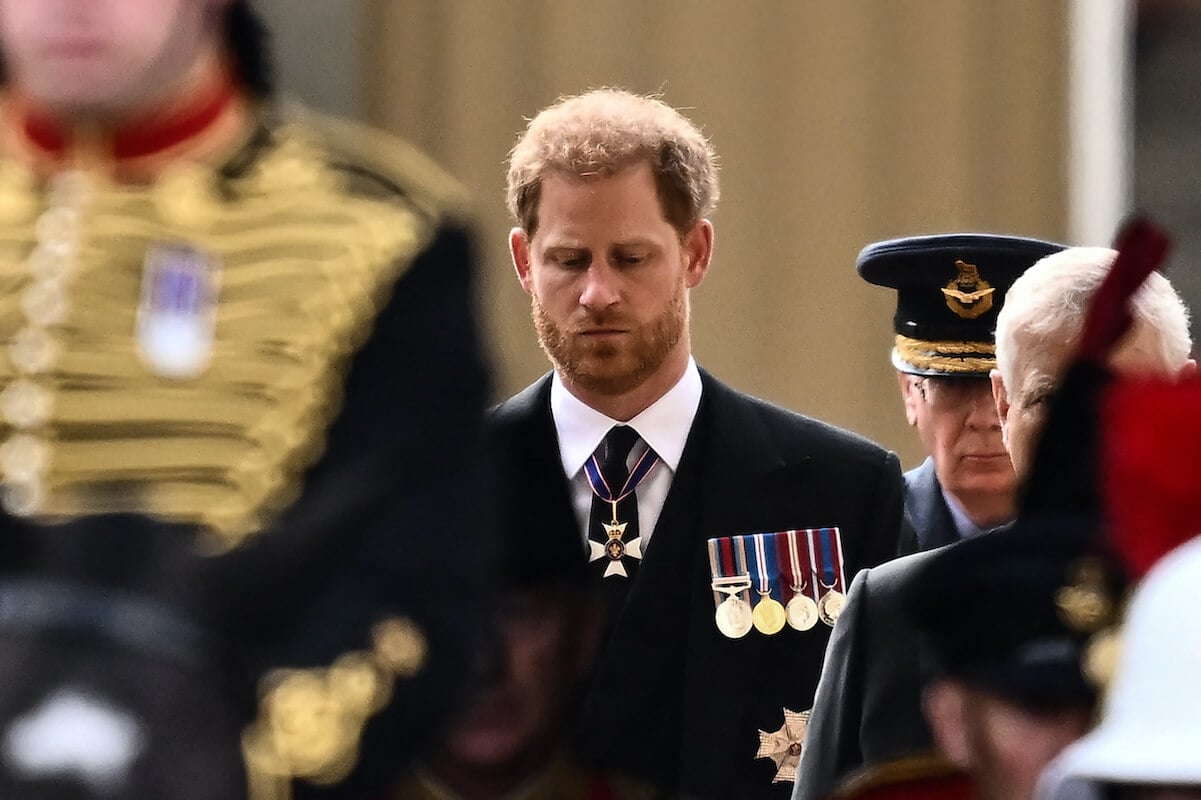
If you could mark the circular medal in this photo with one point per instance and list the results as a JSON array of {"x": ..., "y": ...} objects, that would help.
[
  {"x": 769, "y": 615},
  {"x": 830, "y": 606},
  {"x": 802, "y": 612},
  {"x": 734, "y": 617}
]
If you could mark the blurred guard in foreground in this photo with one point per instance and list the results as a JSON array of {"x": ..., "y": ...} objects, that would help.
[
  {"x": 1145, "y": 746},
  {"x": 239, "y": 391}
]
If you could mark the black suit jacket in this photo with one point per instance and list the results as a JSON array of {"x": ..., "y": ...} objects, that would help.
[
  {"x": 673, "y": 701},
  {"x": 926, "y": 509},
  {"x": 868, "y": 706}
]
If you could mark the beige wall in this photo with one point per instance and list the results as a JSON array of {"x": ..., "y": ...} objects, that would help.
[{"x": 837, "y": 123}]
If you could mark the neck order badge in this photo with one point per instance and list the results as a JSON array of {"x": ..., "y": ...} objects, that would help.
[
  {"x": 803, "y": 566},
  {"x": 616, "y": 547}
]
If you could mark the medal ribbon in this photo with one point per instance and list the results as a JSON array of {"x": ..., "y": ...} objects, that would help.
[
  {"x": 600, "y": 487},
  {"x": 831, "y": 559},
  {"x": 764, "y": 563},
  {"x": 740, "y": 562},
  {"x": 813, "y": 584},
  {"x": 723, "y": 563},
  {"x": 176, "y": 283},
  {"x": 789, "y": 553}
]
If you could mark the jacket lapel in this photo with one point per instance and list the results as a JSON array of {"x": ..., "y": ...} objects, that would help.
[{"x": 927, "y": 510}]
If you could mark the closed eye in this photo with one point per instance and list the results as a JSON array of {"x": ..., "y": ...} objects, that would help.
[
  {"x": 631, "y": 257},
  {"x": 569, "y": 258}
]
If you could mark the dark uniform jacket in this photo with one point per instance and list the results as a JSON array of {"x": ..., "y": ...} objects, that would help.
[
  {"x": 673, "y": 701},
  {"x": 868, "y": 708},
  {"x": 288, "y": 539},
  {"x": 926, "y": 509}
]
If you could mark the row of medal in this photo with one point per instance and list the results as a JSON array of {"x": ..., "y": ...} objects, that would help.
[{"x": 768, "y": 580}]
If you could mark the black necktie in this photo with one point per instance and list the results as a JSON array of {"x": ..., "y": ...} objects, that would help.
[{"x": 614, "y": 545}]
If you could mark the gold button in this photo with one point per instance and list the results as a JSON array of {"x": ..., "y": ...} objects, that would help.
[
  {"x": 71, "y": 188},
  {"x": 26, "y": 405},
  {"x": 58, "y": 227},
  {"x": 45, "y": 303},
  {"x": 358, "y": 684},
  {"x": 24, "y": 458},
  {"x": 400, "y": 645},
  {"x": 33, "y": 350},
  {"x": 23, "y": 498},
  {"x": 46, "y": 263}
]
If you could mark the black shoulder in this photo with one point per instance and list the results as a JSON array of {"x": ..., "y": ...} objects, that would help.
[
  {"x": 887, "y": 582},
  {"x": 523, "y": 405},
  {"x": 796, "y": 432}
]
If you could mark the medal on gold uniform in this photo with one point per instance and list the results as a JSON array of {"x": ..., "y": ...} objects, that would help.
[
  {"x": 829, "y": 573},
  {"x": 177, "y": 314},
  {"x": 801, "y": 609},
  {"x": 769, "y": 616},
  {"x": 727, "y": 565}
]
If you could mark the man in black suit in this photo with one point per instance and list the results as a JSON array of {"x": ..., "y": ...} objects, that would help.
[
  {"x": 950, "y": 289},
  {"x": 611, "y": 192},
  {"x": 868, "y": 706}
]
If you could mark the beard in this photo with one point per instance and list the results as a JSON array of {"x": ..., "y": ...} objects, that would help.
[{"x": 611, "y": 368}]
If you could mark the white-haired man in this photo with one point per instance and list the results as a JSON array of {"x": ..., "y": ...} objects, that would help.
[{"x": 868, "y": 707}]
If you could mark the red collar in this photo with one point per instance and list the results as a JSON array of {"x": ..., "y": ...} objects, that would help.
[{"x": 147, "y": 136}]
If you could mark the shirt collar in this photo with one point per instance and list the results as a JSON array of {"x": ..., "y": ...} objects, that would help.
[
  {"x": 663, "y": 425},
  {"x": 963, "y": 523}
]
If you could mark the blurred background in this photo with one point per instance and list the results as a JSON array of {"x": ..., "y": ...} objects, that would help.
[{"x": 836, "y": 124}]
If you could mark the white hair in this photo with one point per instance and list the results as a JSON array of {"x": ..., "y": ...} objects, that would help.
[{"x": 1048, "y": 301}]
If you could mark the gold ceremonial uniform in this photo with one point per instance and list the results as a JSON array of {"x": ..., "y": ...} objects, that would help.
[{"x": 321, "y": 276}]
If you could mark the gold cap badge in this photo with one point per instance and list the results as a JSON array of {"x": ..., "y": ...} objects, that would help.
[{"x": 968, "y": 295}]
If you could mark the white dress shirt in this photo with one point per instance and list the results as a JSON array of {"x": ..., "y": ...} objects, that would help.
[{"x": 663, "y": 426}]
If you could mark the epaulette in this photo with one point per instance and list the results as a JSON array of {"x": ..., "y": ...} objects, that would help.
[{"x": 375, "y": 162}]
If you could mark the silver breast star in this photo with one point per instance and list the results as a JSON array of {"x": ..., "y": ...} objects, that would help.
[{"x": 784, "y": 746}]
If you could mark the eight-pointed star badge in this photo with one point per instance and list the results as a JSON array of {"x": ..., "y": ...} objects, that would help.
[
  {"x": 784, "y": 746},
  {"x": 615, "y": 549}
]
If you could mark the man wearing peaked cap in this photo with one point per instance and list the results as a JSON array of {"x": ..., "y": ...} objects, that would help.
[{"x": 950, "y": 289}]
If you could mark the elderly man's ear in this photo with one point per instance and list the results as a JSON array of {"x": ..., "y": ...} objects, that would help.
[
  {"x": 909, "y": 394},
  {"x": 1000, "y": 396}
]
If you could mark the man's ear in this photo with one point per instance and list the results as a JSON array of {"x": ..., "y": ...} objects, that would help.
[
  {"x": 945, "y": 704},
  {"x": 698, "y": 251},
  {"x": 1000, "y": 396},
  {"x": 910, "y": 396},
  {"x": 519, "y": 251}
]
